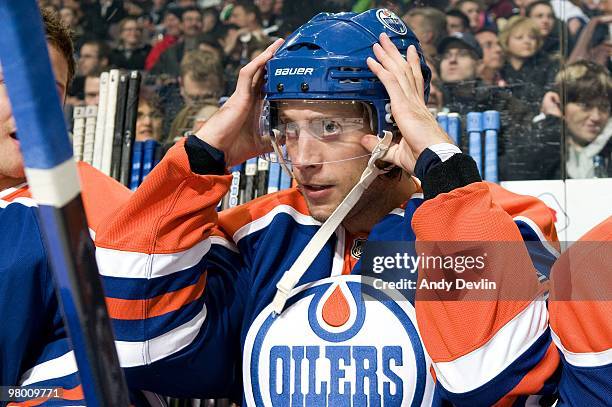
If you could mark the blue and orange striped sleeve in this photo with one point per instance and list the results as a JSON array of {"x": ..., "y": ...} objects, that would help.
[
  {"x": 488, "y": 346},
  {"x": 172, "y": 282},
  {"x": 580, "y": 307}
]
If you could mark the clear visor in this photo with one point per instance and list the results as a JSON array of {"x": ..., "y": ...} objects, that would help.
[{"x": 309, "y": 132}]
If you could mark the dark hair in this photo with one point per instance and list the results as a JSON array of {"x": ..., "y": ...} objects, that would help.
[
  {"x": 60, "y": 36},
  {"x": 187, "y": 9},
  {"x": 585, "y": 82},
  {"x": 249, "y": 7},
  {"x": 126, "y": 20},
  {"x": 454, "y": 12},
  {"x": 533, "y": 5},
  {"x": 103, "y": 48}
]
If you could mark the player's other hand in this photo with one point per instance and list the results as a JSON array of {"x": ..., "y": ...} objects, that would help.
[
  {"x": 403, "y": 81},
  {"x": 233, "y": 128}
]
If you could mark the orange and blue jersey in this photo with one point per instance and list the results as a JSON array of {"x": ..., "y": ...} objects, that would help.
[
  {"x": 189, "y": 292},
  {"x": 35, "y": 350},
  {"x": 580, "y": 309}
]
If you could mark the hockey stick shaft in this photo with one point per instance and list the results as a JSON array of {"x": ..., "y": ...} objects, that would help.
[{"x": 52, "y": 175}]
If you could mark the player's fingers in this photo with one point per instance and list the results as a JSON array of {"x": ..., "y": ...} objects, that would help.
[
  {"x": 415, "y": 68},
  {"x": 369, "y": 142},
  {"x": 389, "y": 64},
  {"x": 247, "y": 72},
  {"x": 391, "y": 49},
  {"x": 388, "y": 80}
]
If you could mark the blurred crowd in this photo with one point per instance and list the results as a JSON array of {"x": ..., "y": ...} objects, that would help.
[{"x": 545, "y": 65}]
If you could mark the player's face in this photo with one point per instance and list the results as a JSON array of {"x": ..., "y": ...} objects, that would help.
[
  {"x": 11, "y": 160},
  {"x": 586, "y": 122},
  {"x": 324, "y": 186}
]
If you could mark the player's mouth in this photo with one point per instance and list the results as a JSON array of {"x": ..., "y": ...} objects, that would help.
[
  {"x": 315, "y": 191},
  {"x": 13, "y": 135}
]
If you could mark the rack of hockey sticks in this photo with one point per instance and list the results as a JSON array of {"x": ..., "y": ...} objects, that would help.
[{"x": 104, "y": 135}]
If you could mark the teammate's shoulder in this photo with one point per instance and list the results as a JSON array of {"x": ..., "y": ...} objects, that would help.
[{"x": 19, "y": 195}]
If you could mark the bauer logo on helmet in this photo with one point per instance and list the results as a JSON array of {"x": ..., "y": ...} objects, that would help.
[{"x": 293, "y": 71}]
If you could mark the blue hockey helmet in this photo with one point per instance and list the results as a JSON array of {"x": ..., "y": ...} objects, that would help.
[{"x": 325, "y": 59}]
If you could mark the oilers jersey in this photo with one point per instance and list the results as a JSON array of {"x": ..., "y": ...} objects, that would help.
[
  {"x": 580, "y": 310},
  {"x": 34, "y": 345},
  {"x": 189, "y": 292}
]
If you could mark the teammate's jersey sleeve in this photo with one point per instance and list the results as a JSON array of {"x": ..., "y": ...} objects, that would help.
[
  {"x": 490, "y": 344},
  {"x": 580, "y": 318},
  {"x": 172, "y": 282},
  {"x": 34, "y": 345}
]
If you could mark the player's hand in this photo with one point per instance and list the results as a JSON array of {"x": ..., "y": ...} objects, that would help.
[
  {"x": 403, "y": 81},
  {"x": 233, "y": 128}
]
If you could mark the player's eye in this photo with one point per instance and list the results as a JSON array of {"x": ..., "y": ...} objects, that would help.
[{"x": 331, "y": 128}]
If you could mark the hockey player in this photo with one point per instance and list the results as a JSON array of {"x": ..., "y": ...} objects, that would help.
[
  {"x": 264, "y": 301},
  {"x": 580, "y": 318},
  {"x": 34, "y": 345},
  {"x": 32, "y": 329}
]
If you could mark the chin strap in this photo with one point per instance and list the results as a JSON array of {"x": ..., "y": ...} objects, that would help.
[{"x": 314, "y": 246}]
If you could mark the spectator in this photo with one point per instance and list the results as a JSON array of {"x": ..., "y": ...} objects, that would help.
[
  {"x": 131, "y": 53},
  {"x": 473, "y": 9},
  {"x": 191, "y": 26},
  {"x": 210, "y": 20},
  {"x": 429, "y": 25},
  {"x": 244, "y": 34},
  {"x": 521, "y": 7},
  {"x": 541, "y": 12},
  {"x": 492, "y": 58},
  {"x": 266, "y": 12},
  {"x": 586, "y": 117},
  {"x": 456, "y": 22},
  {"x": 209, "y": 43},
  {"x": 171, "y": 25},
  {"x": 201, "y": 82},
  {"x": 93, "y": 57},
  {"x": 92, "y": 88},
  {"x": 527, "y": 71},
  {"x": 149, "y": 118},
  {"x": 459, "y": 58},
  {"x": 464, "y": 92},
  {"x": 70, "y": 19}
]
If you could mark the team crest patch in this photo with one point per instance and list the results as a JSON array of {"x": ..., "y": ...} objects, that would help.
[
  {"x": 391, "y": 21},
  {"x": 357, "y": 248},
  {"x": 339, "y": 341}
]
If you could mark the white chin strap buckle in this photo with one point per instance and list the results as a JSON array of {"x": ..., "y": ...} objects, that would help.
[{"x": 294, "y": 274}]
